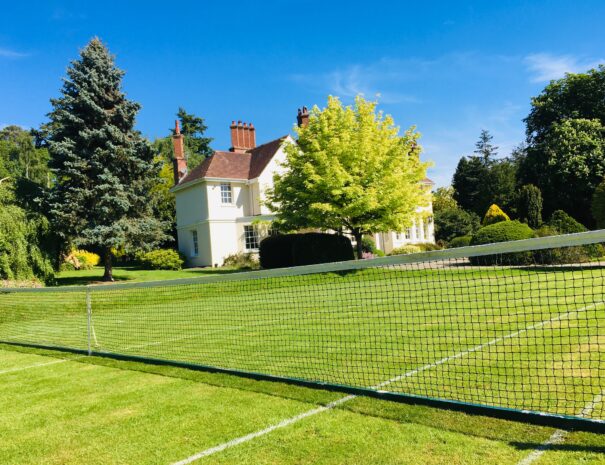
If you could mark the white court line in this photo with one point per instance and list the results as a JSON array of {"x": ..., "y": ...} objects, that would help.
[
  {"x": 309, "y": 413},
  {"x": 559, "y": 435},
  {"x": 12, "y": 370}
]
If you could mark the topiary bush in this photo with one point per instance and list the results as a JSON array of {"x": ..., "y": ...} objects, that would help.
[
  {"x": 462, "y": 241},
  {"x": 503, "y": 231},
  {"x": 304, "y": 249},
  {"x": 406, "y": 249},
  {"x": 529, "y": 205},
  {"x": 161, "y": 259},
  {"x": 242, "y": 261},
  {"x": 494, "y": 215},
  {"x": 564, "y": 223},
  {"x": 561, "y": 223}
]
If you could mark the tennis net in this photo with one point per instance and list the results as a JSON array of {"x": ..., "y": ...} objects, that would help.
[{"x": 514, "y": 330}]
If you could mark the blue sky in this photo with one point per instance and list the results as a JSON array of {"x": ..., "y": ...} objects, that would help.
[{"x": 450, "y": 68}]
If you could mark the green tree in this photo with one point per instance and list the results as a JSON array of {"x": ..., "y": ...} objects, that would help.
[
  {"x": 529, "y": 205},
  {"x": 197, "y": 146},
  {"x": 470, "y": 183},
  {"x": 484, "y": 147},
  {"x": 443, "y": 199},
  {"x": 350, "y": 171},
  {"x": 565, "y": 138},
  {"x": 454, "y": 222},
  {"x": 102, "y": 165},
  {"x": 21, "y": 158},
  {"x": 598, "y": 205}
]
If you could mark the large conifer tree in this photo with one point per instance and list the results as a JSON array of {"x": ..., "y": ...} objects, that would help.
[{"x": 103, "y": 166}]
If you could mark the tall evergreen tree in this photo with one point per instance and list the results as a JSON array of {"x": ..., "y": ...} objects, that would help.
[
  {"x": 484, "y": 147},
  {"x": 197, "y": 146},
  {"x": 103, "y": 166}
]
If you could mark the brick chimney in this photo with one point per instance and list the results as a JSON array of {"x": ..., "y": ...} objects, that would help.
[
  {"x": 303, "y": 117},
  {"x": 243, "y": 137},
  {"x": 179, "y": 162}
]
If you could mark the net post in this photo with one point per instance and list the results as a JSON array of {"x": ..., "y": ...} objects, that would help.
[{"x": 88, "y": 317}]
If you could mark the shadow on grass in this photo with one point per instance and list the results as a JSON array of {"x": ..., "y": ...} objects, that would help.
[{"x": 560, "y": 447}]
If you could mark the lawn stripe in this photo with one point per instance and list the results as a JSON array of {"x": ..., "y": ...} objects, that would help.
[
  {"x": 559, "y": 435},
  {"x": 331, "y": 405}
]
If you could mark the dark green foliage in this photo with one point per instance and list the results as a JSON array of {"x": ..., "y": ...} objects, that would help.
[
  {"x": 564, "y": 223},
  {"x": 502, "y": 232},
  {"x": 454, "y": 222},
  {"x": 304, "y": 249},
  {"x": 566, "y": 137},
  {"x": 26, "y": 243},
  {"x": 529, "y": 205},
  {"x": 598, "y": 205},
  {"x": 563, "y": 255},
  {"x": 462, "y": 241},
  {"x": 104, "y": 168},
  {"x": 161, "y": 259}
]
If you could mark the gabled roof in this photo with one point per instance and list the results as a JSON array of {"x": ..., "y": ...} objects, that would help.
[{"x": 235, "y": 165}]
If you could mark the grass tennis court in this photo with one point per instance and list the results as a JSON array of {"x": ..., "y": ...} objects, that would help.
[
  {"x": 99, "y": 411},
  {"x": 508, "y": 337}
]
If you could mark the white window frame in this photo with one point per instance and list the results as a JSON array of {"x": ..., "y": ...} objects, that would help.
[
  {"x": 408, "y": 233},
  {"x": 226, "y": 193},
  {"x": 419, "y": 230},
  {"x": 251, "y": 237},
  {"x": 195, "y": 250}
]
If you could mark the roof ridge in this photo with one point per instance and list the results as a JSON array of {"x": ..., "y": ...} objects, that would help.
[{"x": 267, "y": 143}]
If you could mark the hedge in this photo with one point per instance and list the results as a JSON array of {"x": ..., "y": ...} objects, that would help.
[
  {"x": 461, "y": 241},
  {"x": 304, "y": 249},
  {"x": 502, "y": 232},
  {"x": 161, "y": 259}
]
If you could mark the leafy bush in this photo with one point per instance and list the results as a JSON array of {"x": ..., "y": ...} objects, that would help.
[
  {"x": 304, "y": 249},
  {"x": 529, "y": 205},
  {"x": 494, "y": 215},
  {"x": 80, "y": 260},
  {"x": 562, "y": 255},
  {"x": 428, "y": 246},
  {"x": 161, "y": 259},
  {"x": 462, "y": 241},
  {"x": 564, "y": 223},
  {"x": 502, "y": 232},
  {"x": 454, "y": 222},
  {"x": 242, "y": 261},
  {"x": 406, "y": 249}
]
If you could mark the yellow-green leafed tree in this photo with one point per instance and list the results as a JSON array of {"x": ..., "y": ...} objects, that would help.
[
  {"x": 493, "y": 215},
  {"x": 351, "y": 171}
]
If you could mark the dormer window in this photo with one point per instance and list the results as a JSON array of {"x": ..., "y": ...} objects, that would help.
[{"x": 226, "y": 193}]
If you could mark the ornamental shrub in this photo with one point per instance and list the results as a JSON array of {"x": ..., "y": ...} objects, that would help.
[
  {"x": 161, "y": 259},
  {"x": 428, "y": 246},
  {"x": 462, "y": 241},
  {"x": 529, "y": 205},
  {"x": 502, "y": 232},
  {"x": 454, "y": 222},
  {"x": 494, "y": 215},
  {"x": 406, "y": 249},
  {"x": 80, "y": 260},
  {"x": 304, "y": 249},
  {"x": 242, "y": 261}
]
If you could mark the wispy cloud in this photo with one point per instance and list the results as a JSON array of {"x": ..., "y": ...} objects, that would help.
[
  {"x": 8, "y": 53},
  {"x": 545, "y": 66}
]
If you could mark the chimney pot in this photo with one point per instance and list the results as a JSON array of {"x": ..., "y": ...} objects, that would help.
[
  {"x": 303, "y": 117},
  {"x": 243, "y": 137},
  {"x": 179, "y": 161}
]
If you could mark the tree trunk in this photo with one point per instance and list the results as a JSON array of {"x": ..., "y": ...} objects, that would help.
[
  {"x": 358, "y": 236},
  {"x": 108, "y": 276}
]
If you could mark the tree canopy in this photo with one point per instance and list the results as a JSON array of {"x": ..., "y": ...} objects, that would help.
[
  {"x": 103, "y": 166},
  {"x": 351, "y": 171}
]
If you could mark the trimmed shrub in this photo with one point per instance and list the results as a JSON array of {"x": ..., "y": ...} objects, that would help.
[
  {"x": 161, "y": 259},
  {"x": 242, "y": 261},
  {"x": 304, "y": 249},
  {"x": 406, "y": 249},
  {"x": 563, "y": 255},
  {"x": 503, "y": 231},
  {"x": 494, "y": 215},
  {"x": 462, "y": 241},
  {"x": 428, "y": 246},
  {"x": 80, "y": 260}
]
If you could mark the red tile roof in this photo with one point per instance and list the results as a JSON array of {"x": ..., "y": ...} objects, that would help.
[{"x": 234, "y": 165}]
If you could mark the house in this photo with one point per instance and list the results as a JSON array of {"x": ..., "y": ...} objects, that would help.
[{"x": 220, "y": 207}]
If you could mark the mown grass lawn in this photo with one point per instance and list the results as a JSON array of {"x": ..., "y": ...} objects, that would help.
[{"x": 134, "y": 274}]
